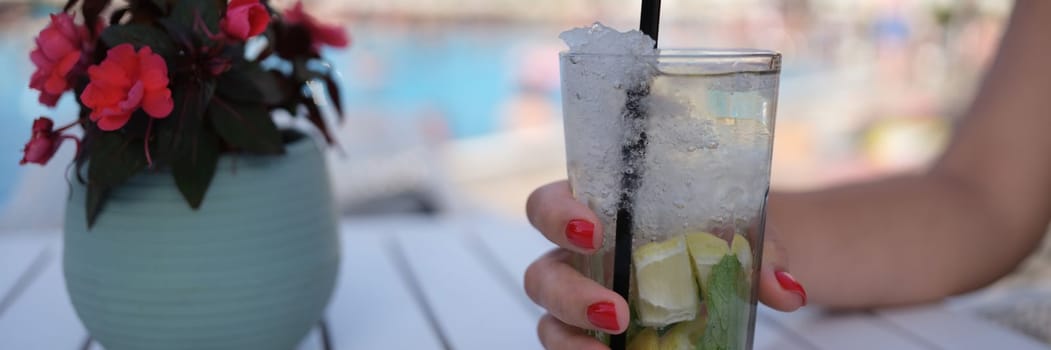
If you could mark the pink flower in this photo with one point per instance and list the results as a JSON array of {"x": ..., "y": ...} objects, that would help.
[
  {"x": 245, "y": 19},
  {"x": 60, "y": 47},
  {"x": 125, "y": 81},
  {"x": 44, "y": 142},
  {"x": 320, "y": 33}
]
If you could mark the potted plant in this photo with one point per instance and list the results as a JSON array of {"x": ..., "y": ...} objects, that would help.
[{"x": 194, "y": 221}]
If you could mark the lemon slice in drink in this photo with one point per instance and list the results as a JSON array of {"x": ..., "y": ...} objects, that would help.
[
  {"x": 667, "y": 292},
  {"x": 646, "y": 339},
  {"x": 706, "y": 250},
  {"x": 684, "y": 336},
  {"x": 743, "y": 250}
]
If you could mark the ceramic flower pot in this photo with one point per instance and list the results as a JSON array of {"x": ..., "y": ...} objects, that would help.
[{"x": 253, "y": 268}]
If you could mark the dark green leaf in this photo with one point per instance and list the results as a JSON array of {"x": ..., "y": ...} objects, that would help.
[
  {"x": 248, "y": 82},
  {"x": 136, "y": 125},
  {"x": 292, "y": 42},
  {"x": 140, "y": 35},
  {"x": 268, "y": 50},
  {"x": 194, "y": 169},
  {"x": 245, "y": 126},
  {"x": 289, "y": 89},
  {"x": 210, "y": 11},
  {"x": 164, "y": 147},
  {"x": 69, "y": 5},
  {"x": 161, "y": 5},
  {"x": 90, "y": 130},
  {"x": 146, "y": 11},
  {"x": 80, "y": 162},
  {"x": 114, "y": 159},
  {"x": 118, "y": 15},
  {"x": 190, "y": 146},
  {"x": 181, "y": 34},
  {"x": 175, "y": 133},
  {"x": 315, "y": 117},
  {"x": 92, "y": 9},
  {"x": 302, "y": 72},
  {"x": 111, "y": 161},
  {"x": 95, "y": 201},
  {"x": 333, "y": 94}
]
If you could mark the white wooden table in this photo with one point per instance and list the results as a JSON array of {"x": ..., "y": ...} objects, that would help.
[{"x": 416, "y": 283}]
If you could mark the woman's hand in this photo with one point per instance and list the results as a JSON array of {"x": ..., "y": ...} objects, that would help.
[{"x": 575, "y": 303}]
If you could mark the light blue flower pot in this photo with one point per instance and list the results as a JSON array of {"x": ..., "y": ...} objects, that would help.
[{"x": 252, "y": 269}]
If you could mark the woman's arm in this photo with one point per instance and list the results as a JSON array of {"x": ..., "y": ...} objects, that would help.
[{"x": 970, "y": 220}]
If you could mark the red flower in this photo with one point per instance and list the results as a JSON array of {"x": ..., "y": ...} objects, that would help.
[
  {"x": 125, "y": 81},
  {"x": 245, "y": 19},
  {"x": 44, "y": 142},
  {"x": 60, "y": 47},
  {"x": 320, "y": 33}
]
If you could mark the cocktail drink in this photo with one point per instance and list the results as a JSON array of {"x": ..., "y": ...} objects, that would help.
[{"x": 674, "y": 146}]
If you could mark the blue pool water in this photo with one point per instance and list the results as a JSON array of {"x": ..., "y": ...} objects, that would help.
[{"x": 461, "y": 73}]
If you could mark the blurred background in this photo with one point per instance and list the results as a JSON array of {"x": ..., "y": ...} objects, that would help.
[{"x": 454, "y": 107}]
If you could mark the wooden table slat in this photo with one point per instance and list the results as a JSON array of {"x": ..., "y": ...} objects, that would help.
[
  {"x": 474, "y": 310},
  {"x": 18, "y": 255},
  {"x": 513, "y": 245},
  {"x": 468, "y": 273},
  {"x": 43, "y": 317},
  {"x": 372, "y": 307}
]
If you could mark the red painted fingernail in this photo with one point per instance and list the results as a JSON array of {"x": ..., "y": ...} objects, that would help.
[
  {"x": 790, "y": 284},
  {"x": 603, "y": 315},
  {"x": 581, "y": 233}
]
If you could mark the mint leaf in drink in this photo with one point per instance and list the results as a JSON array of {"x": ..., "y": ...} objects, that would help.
[{"x": 725, "y": 304}]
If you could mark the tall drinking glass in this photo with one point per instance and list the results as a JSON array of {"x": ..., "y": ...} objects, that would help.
[{"x": 677, "y": 152}]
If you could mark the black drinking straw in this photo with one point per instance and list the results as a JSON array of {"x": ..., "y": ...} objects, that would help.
[
  {"x": 632, "y": 153},
  {"x": 650, "y": 19}
]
